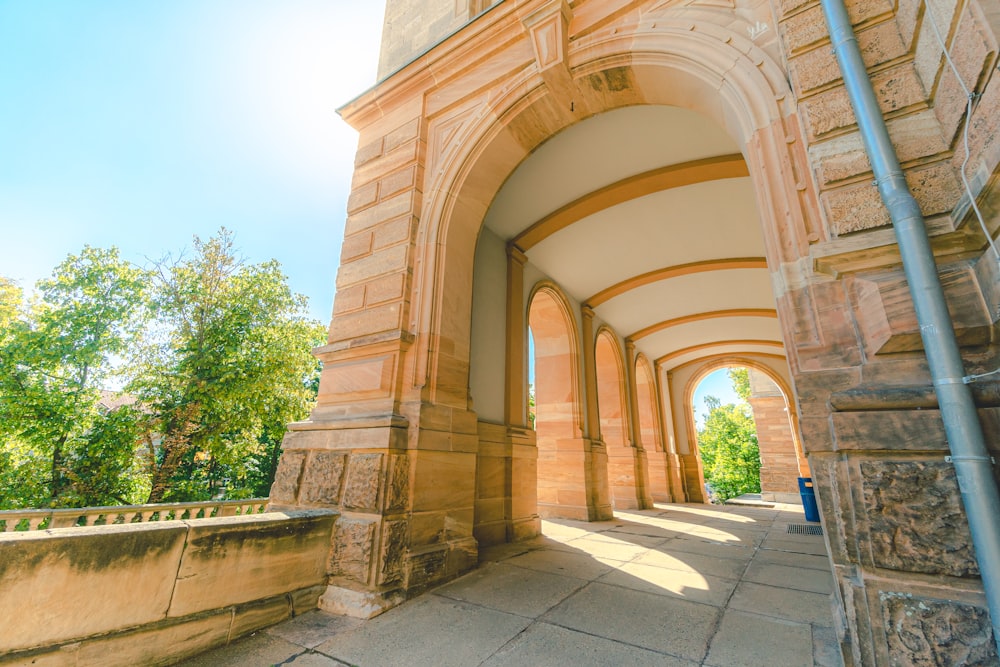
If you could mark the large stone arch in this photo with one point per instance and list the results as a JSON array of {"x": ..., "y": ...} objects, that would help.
[{"x": 702, "y": 66}]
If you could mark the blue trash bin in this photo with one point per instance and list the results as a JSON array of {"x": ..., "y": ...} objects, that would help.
[{"x": 808, "y": 499}]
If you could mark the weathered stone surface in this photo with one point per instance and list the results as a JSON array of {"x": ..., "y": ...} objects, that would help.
[
  {"x": 937, "y": 632},
  {"x": 44, "y": 574},
  {"x": 363, "y": 479},
  {"x": 352, "y": 548},
  {"x": 394, "y": 537},
  {"x": 915, "y": 518},
  {"x": 238, "y": 559},
  {"x": 321, "y": 481},
  {"x": 286, "y": 478},
  {"x": 398, "y": 487}
]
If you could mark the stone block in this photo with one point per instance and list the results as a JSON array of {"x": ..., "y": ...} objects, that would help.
[
  {"x": 46, "y": 574},
  {"x": 362, "y": 197},
  {"x": 353, "y": 542},
  {"x": 859, "y": 207},
  {"x": 364, "y": 477},
  {"x": 238, "y": 559},
  {"x": 160, "y": 644},
  {"x": 443, "y": 480},
  {"x": 322, "y": 478},
  {"x": 393, "y": 232},
  {"x": 936, "y": 632},
  {"x": 818, "y": 67},
  {"x": 809, "y": 27},
  {"x": 365, "y": 323},
  {"x": 247, "y": 618},
  {"x": 896, "y": 88},
  {"x": 915, "y": 518},
  {"x": 888, "y": 322},
  {"x": 387, "y": 209},
  {"x": 285, "y": 488},
  {"x": 398, "y": 484},
  {"x": 379, "y": 263},
  {"x": 395, "y": 537}
]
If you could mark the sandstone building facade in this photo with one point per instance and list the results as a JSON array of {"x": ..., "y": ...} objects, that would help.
[{"x": 635, "y": 193}]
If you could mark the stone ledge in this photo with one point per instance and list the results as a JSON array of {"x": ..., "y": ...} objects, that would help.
[{"x": 70, "y": 586}]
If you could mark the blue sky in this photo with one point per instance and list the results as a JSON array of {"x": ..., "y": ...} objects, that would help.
[
  {"x": 141, "y": 124},
  {"x": 716, "y": 384}
]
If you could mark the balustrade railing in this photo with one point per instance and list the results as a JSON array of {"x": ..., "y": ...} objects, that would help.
[{"x": 11, "y": 520}]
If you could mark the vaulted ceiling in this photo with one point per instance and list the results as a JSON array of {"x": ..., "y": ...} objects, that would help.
[{"x": 647, "y": 215}]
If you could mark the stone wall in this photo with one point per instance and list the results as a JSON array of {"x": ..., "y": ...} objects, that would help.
[
  {"x": 413, "y": 26},
  {"x": 152, "y": 594}
]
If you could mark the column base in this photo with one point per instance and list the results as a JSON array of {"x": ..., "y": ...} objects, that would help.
[{"x": 358, "y": 604}]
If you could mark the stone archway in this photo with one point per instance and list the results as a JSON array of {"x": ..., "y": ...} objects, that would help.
[
  {"x": 626, "y": 473},
  {"x": 778, "y": 439},
  {"x": 572, "y": 470}
]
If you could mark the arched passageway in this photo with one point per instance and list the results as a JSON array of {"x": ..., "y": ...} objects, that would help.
[{"x": 674, "y": 172}]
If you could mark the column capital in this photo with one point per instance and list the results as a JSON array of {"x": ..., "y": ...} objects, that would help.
[
  {"x": 516, "y": 254},
  {"x": 587, "y": 312}
]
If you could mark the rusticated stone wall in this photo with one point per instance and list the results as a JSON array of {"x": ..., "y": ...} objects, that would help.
[{"x": 869, "y": 419}]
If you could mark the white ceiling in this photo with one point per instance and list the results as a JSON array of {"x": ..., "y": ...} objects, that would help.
[{"x": 707, "y": 221}]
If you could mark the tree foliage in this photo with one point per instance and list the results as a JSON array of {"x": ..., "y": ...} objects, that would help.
[
  {"x": 214, "y": 354},
  {"x": 228, "y": 368},
  {"x": 56, "y": 352},
  {"x": 728, "y": 443}
]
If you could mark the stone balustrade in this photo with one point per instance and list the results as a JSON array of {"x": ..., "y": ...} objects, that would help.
[{"x": 40, "y": 519}]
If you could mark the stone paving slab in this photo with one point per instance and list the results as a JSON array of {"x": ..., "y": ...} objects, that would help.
[
  {"x": 671, "y": 559},
  {"x": 692, "y": 586},
  {"x": 429, "y": 630},
  {"x": 676, "y": 627},
  {"x": 545, "y": 644},
  {"x": 312, "y": 629},
  {"x": 750, "y": 640},
  {"x": 512, "y": 589},
  {"x": 786, "y": 576},
  {"x": 261, "y": 648},
  {"x": 783, "y": 603},
  {"x": 571, "y": 563}
]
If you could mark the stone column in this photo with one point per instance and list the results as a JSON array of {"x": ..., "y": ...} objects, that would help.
[
  {"x": 642, "y": 485},
  {"x": 675, "y": 465},
  {"x": 598, "y": 483},
  {"x": 522, "y": 514}
]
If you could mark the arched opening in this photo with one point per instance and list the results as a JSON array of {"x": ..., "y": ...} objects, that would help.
[
  {"x": 570, "y": 473},
  {"x": 649, "y": 432},
  {"x": 623, "y": 473},
  {"x": 745, "y": 438}
]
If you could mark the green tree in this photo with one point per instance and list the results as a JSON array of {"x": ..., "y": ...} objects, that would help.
[
  {"x": 227, "y": 368},
  {"x": 56, "y": 352},
  {"x": 728, "y": 444}
]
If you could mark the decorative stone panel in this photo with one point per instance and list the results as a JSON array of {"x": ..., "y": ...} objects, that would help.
[
  {"x": 322, "y": 478},
  {"x": 352, "y": 548},
  {"x": 286, "y": 477},
  {"x": 924, "y": 631},
  {"x": 915, "y": 517},
  {"x": 394, "y": 536},
  {"x": 361, "y": 491},
  {"x": 398, "y": 487}
]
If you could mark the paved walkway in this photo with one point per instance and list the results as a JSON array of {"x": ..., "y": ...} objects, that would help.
[{"x": 677, "y": 586}]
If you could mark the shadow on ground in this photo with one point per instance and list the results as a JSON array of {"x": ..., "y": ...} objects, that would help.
[{"x": 678, "y": 585}]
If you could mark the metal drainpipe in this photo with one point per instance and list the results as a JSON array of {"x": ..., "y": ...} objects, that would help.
[{"x": 973, "y": 464}]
